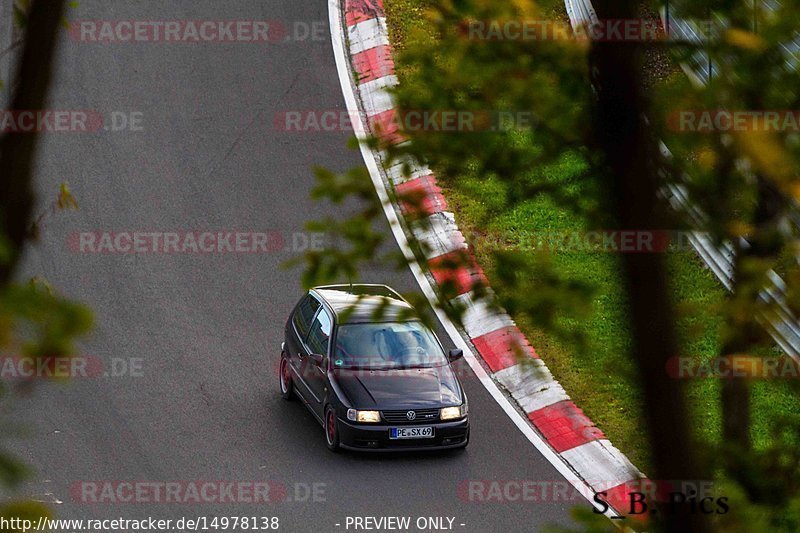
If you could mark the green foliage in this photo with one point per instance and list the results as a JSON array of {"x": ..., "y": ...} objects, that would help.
[
  {"x": 20, "y": 8},
  {"x": 35, "y": 322},
  {"x": 519, "y": 180},
  {"x": 359, "y": 239},
  {"x": 454, "y": 72},
  {"x": 12, "y": 472},
  {"x": 24, "y": 510},
  {"x": 355, "y": 239}
]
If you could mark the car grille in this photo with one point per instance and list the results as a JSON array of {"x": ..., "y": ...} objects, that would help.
[{"x": 401, "y": 416}]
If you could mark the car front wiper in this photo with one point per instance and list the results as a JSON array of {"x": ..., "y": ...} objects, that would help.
[
  {"x": 357, "y": 367},
  {"x": 379, "y": 368}
]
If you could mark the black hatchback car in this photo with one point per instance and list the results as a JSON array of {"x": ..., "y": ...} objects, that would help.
[{"x": 372, "y": 374}]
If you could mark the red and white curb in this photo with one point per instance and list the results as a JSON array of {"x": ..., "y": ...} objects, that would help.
[{"x": 558, "y": 428}]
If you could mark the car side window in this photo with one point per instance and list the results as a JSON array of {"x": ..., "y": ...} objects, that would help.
[
  {"x": 319, "y": 337},
  {"x": 305, "y": 315}
]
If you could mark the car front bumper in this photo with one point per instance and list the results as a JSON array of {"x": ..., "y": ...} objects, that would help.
[{"x": 375, "y": 437}]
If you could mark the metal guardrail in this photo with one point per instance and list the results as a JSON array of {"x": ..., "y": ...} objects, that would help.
[
  {"x": 699, "y": 67},
  {"x": 580, "y": 11},
  {"x": 778, "y": 319}
]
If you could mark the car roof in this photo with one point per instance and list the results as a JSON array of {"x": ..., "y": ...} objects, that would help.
[{"x": 359, "y": 302}]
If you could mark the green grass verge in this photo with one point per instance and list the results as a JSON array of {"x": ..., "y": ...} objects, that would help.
[{"x": 601, "y": 378}]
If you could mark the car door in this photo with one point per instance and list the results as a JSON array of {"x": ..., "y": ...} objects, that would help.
[
  {"x": 297, "y": 330},
  {"x": 318, "y": 342}
]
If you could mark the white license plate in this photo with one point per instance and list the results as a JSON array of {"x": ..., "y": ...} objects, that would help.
[{"x": 425, "y": 432}]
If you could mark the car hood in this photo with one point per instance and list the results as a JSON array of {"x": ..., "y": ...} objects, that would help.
[{"x": 401, "y": 389}]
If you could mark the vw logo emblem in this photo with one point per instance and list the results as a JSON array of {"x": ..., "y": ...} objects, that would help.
[{"x": 411, "y": 415}]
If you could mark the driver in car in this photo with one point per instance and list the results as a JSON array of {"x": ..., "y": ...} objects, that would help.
[{"x": 408, "y": 350}]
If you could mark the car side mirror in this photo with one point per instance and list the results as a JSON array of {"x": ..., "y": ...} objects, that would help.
[
  {"x": 316, "y": 358},
  {"x": 455, "y": 354}
]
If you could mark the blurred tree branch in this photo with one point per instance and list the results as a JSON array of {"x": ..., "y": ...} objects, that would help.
[{"x": 17, "y": 151}]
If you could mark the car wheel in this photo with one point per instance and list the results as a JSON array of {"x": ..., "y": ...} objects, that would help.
[
  {"x": 287, "y": 385},
  {"x": 331, "y": 430}
]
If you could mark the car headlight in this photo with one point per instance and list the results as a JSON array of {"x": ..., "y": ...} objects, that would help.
[
  {"x": 451, "y": 413},
  {"x": 363, "y": 416}
]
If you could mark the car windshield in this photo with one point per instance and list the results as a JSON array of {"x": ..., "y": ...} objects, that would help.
[{"x": 387, "y": 345}]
